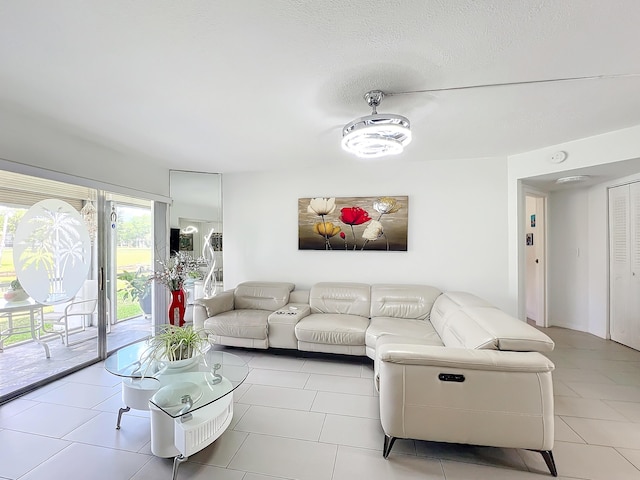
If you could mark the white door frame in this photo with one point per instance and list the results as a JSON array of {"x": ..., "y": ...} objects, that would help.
[{"x": 541, "y": 242}]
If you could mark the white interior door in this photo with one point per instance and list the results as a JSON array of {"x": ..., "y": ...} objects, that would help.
[
  {"x": 634, "y": 281},
  {"x": 624, "y": 264}
]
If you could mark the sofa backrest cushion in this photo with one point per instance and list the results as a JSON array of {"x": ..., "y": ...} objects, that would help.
[
  {"x": 451, "y": 302},
  {"x": 299, "y": 296},
  {"x": 336, "y": 297},
  {"x": 262, "y": 295},
  {"x": 462, "y": 331},
  {"x": 464, "y": 320},
  {"x": 403, "y": 301},
  {"x": 510, "y": 333}
]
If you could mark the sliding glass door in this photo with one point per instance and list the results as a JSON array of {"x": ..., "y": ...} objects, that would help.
[
  {"x": 48, "y": 280},
  {"x": 84, "y": 256},
  {"x": 128, "y": 266}
]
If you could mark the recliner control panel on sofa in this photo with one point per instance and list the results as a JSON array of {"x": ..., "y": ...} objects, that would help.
[{"x": 449, "y": 367}]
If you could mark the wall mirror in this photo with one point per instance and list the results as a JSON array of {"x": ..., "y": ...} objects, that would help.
[{"x": 196, "y": 226}]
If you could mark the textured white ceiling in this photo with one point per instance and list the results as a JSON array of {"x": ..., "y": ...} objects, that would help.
[{"x": 242, "y": 85}]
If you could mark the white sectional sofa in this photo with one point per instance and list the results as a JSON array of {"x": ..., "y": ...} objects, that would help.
[{"x": 449, "y": 367}]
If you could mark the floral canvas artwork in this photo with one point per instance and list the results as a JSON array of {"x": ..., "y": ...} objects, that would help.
[{"x": 353, "y": 223}]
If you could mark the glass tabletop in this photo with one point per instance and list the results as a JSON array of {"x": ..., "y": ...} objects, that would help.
[
  {"x": 28, "y": 304},
  {"x": 186, "y": 386}
]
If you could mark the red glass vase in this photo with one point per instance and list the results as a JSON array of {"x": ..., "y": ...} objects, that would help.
[{"x": 177, "y": 308}]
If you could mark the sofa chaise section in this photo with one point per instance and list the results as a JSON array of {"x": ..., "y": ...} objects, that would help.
[{"x": 487, "y": 384}]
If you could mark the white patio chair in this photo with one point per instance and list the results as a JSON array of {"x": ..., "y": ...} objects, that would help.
[{"x": 72, "y": 317}]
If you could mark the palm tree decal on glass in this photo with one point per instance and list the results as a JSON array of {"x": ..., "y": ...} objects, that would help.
[{"x": 53, "y": 248}]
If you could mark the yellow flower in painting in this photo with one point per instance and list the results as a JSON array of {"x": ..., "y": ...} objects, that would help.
[
  {"x": 373, "y": 231},
  {"x": 322, "y": 206},
  {"x": 384, "y": 205},
  {"x": 326, "y": 229}
]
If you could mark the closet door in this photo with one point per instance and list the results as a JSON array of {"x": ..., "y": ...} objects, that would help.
[
  {"x": 634, "y": 279},
  {"x": 624, "y": 248}
]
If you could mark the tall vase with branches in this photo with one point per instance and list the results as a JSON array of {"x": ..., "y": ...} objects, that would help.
[{"x": 172, "y": 274}]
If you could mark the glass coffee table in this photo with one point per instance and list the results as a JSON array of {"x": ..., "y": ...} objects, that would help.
[{"x": 190, "y": 402}]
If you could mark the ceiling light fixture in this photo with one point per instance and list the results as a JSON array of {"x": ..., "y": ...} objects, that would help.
[
  {"x": 378, "y": 134},
  {"x": 189, "y": 229},
  {"x": 573, "y": 179}
]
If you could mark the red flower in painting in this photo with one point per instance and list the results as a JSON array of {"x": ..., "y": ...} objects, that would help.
[{"x": 354, "y": 216}]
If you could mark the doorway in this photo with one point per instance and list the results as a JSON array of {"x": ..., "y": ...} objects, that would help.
[{"x": 535, "y": 258}]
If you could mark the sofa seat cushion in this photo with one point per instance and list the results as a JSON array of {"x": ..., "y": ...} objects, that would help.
[
  {"x": 331, "y": 328},
  {"x": 402, "y": 340},
  {"x": 420, "y": 330},
  {"x": 239, "y": 324}
]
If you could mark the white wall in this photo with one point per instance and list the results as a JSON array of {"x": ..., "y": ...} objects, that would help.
[
  {"x": 568, "y": 254},
  {"x": 598, "y": 261},
  {"x": 457, "y": 226},
  {"x": 26, "y": 139}
]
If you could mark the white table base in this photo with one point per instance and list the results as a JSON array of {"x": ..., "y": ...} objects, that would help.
[{"x": 184, "y": 436}]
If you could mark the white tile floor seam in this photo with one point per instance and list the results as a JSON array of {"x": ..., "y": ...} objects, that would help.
[{"x": 308, "y": 417}]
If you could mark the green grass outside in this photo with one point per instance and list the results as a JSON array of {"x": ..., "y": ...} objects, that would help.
[
  {"x": 132, "y": 258},
  {"x": 129, "y": 258}
]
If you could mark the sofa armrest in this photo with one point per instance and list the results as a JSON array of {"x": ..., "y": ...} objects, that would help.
[
  {"x": 291, "y": 313},
  {"x": 199, "y": 316},
  {"x": 463, "y": 358},
  {"x": 204, "y": 308},
  {"x": 457, "y": 395}
]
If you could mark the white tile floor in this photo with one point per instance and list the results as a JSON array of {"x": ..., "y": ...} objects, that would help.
[{"x": 317, "y": 419}]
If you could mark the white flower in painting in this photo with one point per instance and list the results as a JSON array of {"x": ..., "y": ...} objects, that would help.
[
  {"x": 385, "y": 205},
  {"x": 322, "y": 206},
  {"x": 373, "y": 231}
]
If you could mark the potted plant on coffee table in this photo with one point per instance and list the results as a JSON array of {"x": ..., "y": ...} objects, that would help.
[{"x": 177, "y": 347}]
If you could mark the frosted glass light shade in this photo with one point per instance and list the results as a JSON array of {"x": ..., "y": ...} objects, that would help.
[{"x": 376, "y": 135}]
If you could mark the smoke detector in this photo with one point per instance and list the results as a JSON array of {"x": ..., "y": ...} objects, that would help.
[{"x": 558, "y": 157}]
